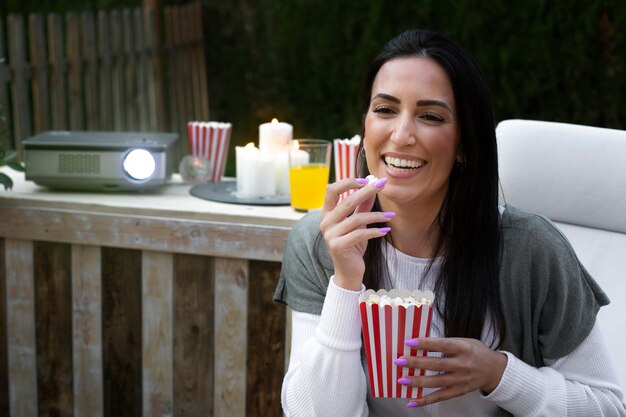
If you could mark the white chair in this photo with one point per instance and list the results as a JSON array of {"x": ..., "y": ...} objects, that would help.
[{"x": 576, "y": 176}]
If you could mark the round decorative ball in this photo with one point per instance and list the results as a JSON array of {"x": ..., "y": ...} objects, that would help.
[{"x": 195, "y": 169}]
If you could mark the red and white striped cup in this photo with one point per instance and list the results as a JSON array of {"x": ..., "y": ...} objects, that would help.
[
  {"x": 345, "y": 156},
  {"x": 210, "y": 140},
  {"x": 386, "y": 327}
]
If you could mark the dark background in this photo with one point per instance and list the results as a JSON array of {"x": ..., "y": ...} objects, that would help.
[{"x": 302, "y": 61}]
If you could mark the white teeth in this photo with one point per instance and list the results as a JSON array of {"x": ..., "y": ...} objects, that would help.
[{"x": 403, "y": 163}]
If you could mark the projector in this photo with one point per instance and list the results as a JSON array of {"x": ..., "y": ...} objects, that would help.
[{"x": 100, "y": 161}]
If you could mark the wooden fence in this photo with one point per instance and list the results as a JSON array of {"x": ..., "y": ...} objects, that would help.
[
  {"x": 108, "y": 70},
  {"x": 150, "y": 309}
]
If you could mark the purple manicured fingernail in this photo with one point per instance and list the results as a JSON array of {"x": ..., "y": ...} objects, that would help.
[
  {"x": 384, "y": 229},
  {"x": 404, "y": 381},
  {"x": 389, "y": 214},
  {"x": 412, "y": 342},
  {"x": 401, "y": 362},
  {"x": 412, "y": 404},
  {"x": 362, "y": 181},
  {"x": 380, "y": 183}
]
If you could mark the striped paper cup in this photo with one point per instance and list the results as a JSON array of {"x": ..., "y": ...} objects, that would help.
[
  {"x": 345, "y": 156},
  {"x": 385, "y": 329},
  {"x": 210, "y": 140}
]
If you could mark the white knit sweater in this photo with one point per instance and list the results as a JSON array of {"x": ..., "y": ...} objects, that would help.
[{"x": 326, "y": 377}]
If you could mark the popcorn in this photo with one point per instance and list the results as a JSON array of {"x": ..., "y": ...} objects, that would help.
[
  {"x": 416, "y": 298},
  {"x": 388, "y": 319},
  {"x": 371, "y": 179}
]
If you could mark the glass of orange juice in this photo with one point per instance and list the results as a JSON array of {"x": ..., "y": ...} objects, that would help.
[{"x": 309, "y": 164}]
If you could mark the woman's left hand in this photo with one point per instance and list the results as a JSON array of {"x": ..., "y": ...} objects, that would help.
[{"x": 466, "y": 365}]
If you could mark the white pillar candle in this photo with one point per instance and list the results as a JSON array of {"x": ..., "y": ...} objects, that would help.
[
  {"x": 275, "y": 136},
  {"x": 281, "y": 163},
  {"x": 297, "y": 156},
  {"x": 256, "y": 174}
]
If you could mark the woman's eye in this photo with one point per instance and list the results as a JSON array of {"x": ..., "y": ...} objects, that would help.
[
  {"x": 431, "y": 117},
  {"x": 383, "y": 110}
]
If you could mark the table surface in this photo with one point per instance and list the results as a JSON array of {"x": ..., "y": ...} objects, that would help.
[{"x": 170, "y": 200}]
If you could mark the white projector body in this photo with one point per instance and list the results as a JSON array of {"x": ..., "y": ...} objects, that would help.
[{"x": 100, "y": 161}]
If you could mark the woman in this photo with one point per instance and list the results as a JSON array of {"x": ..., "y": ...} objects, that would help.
[{"x": 513, "y": 329}]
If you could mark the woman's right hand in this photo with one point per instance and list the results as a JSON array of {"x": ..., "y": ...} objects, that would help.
[{"x": 344, "y": 227}]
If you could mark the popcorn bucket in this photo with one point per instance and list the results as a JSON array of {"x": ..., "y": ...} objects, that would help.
[
  {"x": 210, "y": 140},
  {"x": 345, "y": 156},
  {"x": 388, "y": 320}
]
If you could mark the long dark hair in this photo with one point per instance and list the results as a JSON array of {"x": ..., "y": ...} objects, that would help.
[{"x": 468, "y": 220}]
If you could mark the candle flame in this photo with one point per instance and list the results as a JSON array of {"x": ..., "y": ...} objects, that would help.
[
  {"x": 295, "y": 145},
  {"x": 250, "y": 145},
  {"x": 274, "y": 120}
]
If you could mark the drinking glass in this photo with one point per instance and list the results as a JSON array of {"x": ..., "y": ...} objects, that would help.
[{"x": 309, "y": 166}]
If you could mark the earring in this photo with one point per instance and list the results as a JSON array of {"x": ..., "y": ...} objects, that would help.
[{"x": 461, "y": 164}]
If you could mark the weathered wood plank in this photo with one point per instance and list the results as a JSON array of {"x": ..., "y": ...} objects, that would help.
[
  {"x": 201, "y": 59},
  {"x": 105, "y": 70},
  {"x": 149, "y": 233},
  {"x": 180, "y": 72},
  {"x": 190, "y": 15},
  {"x": 130, "y": 104},
  {"x": 75, "y": 101},
  {"x": 184, "y": 82},
  {"x": 53, "y": 328},
  {"x": 193, "y": 335},
  {"x": 122, "y": 336},
  {"x": 40, "y": 85},
  {"x": 157, "y": 351},
  {"x": 90, "y": 70},
  {"x": 195, "y": 35},
  {"x": 117, "y": 73},
  {"x": 20, "y": 291},
  {"x": 156, "y": 103},
  {"x": 87, "y": 331},
  {"x": 172, "y": 108},
  {"x": 58, "y": 72},
  {"x": 231, "y": 317},
  {"x": 266, "y": 327},
  {"x": 141, "y": 69},
  {"x": 22, "y": 122},
  {"x": 4, "y": 371}
]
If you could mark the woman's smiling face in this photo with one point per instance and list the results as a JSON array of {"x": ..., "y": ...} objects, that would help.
[{"x": 411, "y": 131}]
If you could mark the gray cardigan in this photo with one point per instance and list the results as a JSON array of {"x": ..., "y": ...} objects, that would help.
[{"x": 549, "y": 300}]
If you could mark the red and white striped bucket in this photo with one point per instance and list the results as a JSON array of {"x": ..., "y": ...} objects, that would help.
[
  {"x": 385, "y": 330},
  {"x": 345, "y": 156},
  {"x": 210, "y": 140}
]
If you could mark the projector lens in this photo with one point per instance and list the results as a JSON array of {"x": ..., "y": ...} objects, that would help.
[{"x": 139, "y": 164}]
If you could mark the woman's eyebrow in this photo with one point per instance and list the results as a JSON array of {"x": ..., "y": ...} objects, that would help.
[
  {"x": 421, "y": 103},
  {"x": 386, "y": 97}
]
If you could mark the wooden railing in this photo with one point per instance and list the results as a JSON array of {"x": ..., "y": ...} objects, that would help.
[
  {"x": 109, "y": 71},
  {"x": 157, "y": 304}
]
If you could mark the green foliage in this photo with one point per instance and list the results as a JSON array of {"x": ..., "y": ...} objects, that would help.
[
  {"x": 9, "y": 158},
  {"x": 303, "y": 61}
]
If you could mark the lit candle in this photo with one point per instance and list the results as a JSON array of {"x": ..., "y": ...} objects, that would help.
[
  {"x": 275, "y": 136},
  {"x": 297, "y": 156},
  {"x": 281, "y": 163},
  {"x": 256, "y": 175}
]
